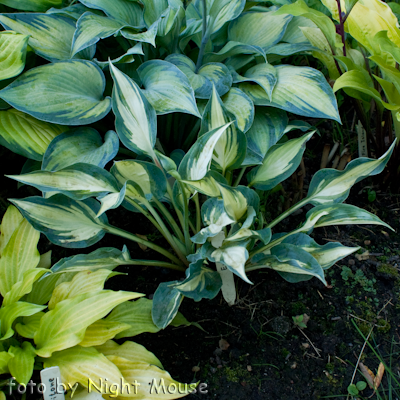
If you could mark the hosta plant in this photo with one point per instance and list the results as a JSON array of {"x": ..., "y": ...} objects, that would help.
[
  {"x": 200, "y": 102},
  {"x": 60, "y": 316}
]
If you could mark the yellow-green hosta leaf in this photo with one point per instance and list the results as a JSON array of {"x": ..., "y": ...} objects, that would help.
[
  {"x": 50, "y": 35},
  {"x": 167, "y": 88},
  {"x": 64, "y": 221},
  {"x": 25, "y": 135},
  {"x": 387, "y": 46},
  {"x": 262, "y": 29},
  {"x": 12, "y": 54},
  {"x": 21, "y": 364},
  {"x": 4, "y": 359},
  {"x": 279, "y": 163},
  {"x": 42, "y": 289},
  {"x": 67, "y": 92},
  {"x": 10, "y": 222},
  {"x": 300, "y": 90},
  {"x": 29, "y": 325},
  {"x": 83, "y": 282},
  {"x": 65, "y": 325},
  {"x": 100, "y": 331},
  {"x": 330, "y": 186},
  {"x": 390, "y": 73},
  {"x": 86, "y": 366},
  {"x": 130, "y": 350},
  {"x": 136, "y": 121},
  {"x": 10, "y": 313},
  {"x": 32, "y": 5},
  {"x": 19, "y": 255}
]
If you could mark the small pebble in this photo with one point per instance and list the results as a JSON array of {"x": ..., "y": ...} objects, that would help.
[
  {"x": 196, "y": 369},
  {"x": 249, "y": 368},
  {"x": 351, "y": 261},
  {"x": 294, "y": 365},
  {"x": 367, "y": 242}
]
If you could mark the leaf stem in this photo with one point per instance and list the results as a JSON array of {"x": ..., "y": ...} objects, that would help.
[
  {"x": 186, "y": 232},
  {"x": 170, "y": 219},
  {"x": 205, "y": 37},
  {"x": 240, "y": 176}
]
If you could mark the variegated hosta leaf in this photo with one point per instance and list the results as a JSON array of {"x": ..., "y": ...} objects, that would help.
[
  {"x": 153, "y": 9},
  {"x": 291, "y": 262},
  {"x": 73, "y": 11},
  {"x": 111, "y": 200},
  {"x": 10, "y": 313},
  {"x": 136, "y": 120},
  {"x": 234, "y": 256},
  {"x": 18, "y": 256},
  {"x": 126, "y": 58},
  {"x": 148, "y": 36},
  {"x": 201, "y": 282},
  {"x": 60, "y": 328},
  {"x": 208, "y": 185},
  {"x": 9, "y": 223},
  {"x": 26, "y": 135},
  {"x": 128, "y": 12},
  {"x": 85, "y": 365},
  {"x": 207, "y": 75},
  {"x": 196, "y": 162},
  {"x": 66, "y": 222},
  {"x": 232, "y": 49},
  {"x": 268, "y": 127},
  {"x": 78, "y": 181},
  {"x": 67, "y": 93},
  {"x": 12, "y": 54},
  {"x": 331, "y": 186},
  {"x": 83, "y": 282},
  {"x": 241, "y": 106},
  {"x": 235, "y": 202},
  {"x": 21, "y": 364},
  {"x": 279, "y": 163},
  {"x": 288, "y": 49},
  {"x": 101, "y": 331},
  {"x": 300, "y": 90},
  {"x": 251, "y": 28},
  {"x": 262, "y": 74},
  {"x": 167, "y": 88},
  {"x": 222, "y": 11},
  {"x": 50, "y": 35},
  {"x": 147, "y": 176},
  {"x": 81, "y": 145},
  {"x": 32, "y": 5},
  {"x": 29, "y": 325},
  {"x": 130, "y": 350},
  {"x": 166, "y": 302}
]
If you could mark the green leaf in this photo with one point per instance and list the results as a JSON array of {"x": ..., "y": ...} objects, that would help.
[
  {"x": 29, "y": 325},
  {"x": 12, "y": 54},
  {"x": 153, "y": 10},
  {"x": 100, "y": 331},
  {"x": 250, "y": 28},
  {"x": 10, "y": 222},
  {"x": 136, "y": 121},
  {"x": 235, "y": 202},
  {"x": 68, "y": 93},
  {"x": 166, "y": 302},
  {"x": 32, "y": 5},
  {"x": 361, "y": 385},
  {"x": 66, "y": 222},
  {"x": 80, "y": 145},
  {"x": 50, "y": 35},
  {"x": 21, "y": 364},
  {"x": 207, "y": 75},
  {"x": 232, "y": 49},
  {"x": 330, "y": 186},
  {"x": 167, "y": 88},
  {"x": 126, "y": 58},
  {"x": 279, "y": 163},
  {"x": 4, "y": 359},
  {"x": 60, "y": 328},
  {"x": 300, "y": 90},
  {"x": 352, "y": 390},
  {"x": 222, "y": 11},
  {"x": 26, "y": 135}
]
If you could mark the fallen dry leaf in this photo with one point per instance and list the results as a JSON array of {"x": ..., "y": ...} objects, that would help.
[
  {"x": 223, "y": 344},
  {"x": 196, "y": 368},
  {"x": 363, "y": 256},
  {"x": 249, "y": 368},
  {"x": 368, "y": 375},
  {"x": 378, "y": 377},
  {"x": 142, "y": 246}
]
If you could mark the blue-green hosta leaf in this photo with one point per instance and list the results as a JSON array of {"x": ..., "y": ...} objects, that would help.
[
  {"x": 262, "y": 29},
  {"x": 207, "y": 75},
  {"x": 208, "y": 185},
  {"x": 268, "y": 127},
  {"x": 232, "y": 49},
  {"x": 136, "y": 120},
  {"x": 126, "y": 58},
  {"x": 169, "y": 26},
  {"x": 201, "y": 282},
  {"x": 148, "y": 36},
  {"x": 21, "y": 364},
  {"x": 78, "y": 181},
  {"x": 26, "y": 135},
  {"x": 230, "y": 150},
  {"x": 331, "y": 186},
  {"x": 67, "y": 93},
  {"x": 191, "y": 32},
  {"x": 300, "y": 90},
  {"x": 291, "y": 262},
  {"x": 66, "y": 222},
  {"x": 196, "y": 162},
  {"x": 215, "y": 218},
  {"x": 166, "y": 302},
  {"x": 32, "y": 5},
  {"x": 167, "y": 88},
  {"x": 50, "y": 35},
  {"x": 60, "y": 329},
  {"x": 241, "y": 106},
  {"x": 222, "y": 11},
  {"x": 153, "y": 9},
  {"x": 288, "y": 49},
  {"x": 128, "y": 12},
  {"x": 80, "y": 145},
  {"x": 73, "y": 11},
  {"x": 279, "y": 163},
  {"x": 111, "y": 200},
  {"x": 262, "y": 74},
  {"x": 234, "y": 256},
  {"x": 149, "y": 177},
  {"x": 10, "y": 313},
  {"x": 12, "y": 54}
]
